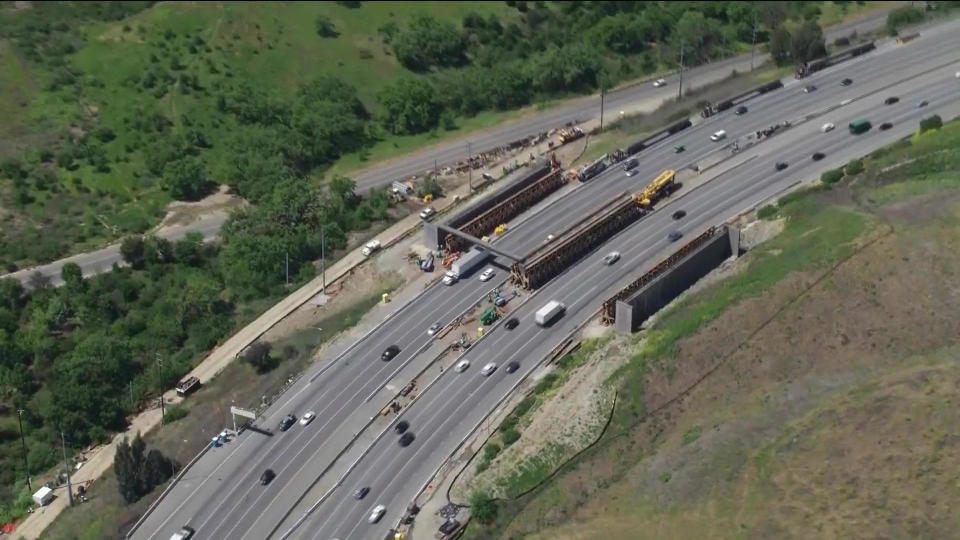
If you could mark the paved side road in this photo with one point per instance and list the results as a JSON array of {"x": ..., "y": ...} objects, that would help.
[{"x": 631, "y": 99}]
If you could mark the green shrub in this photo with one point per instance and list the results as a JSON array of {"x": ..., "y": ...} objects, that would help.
[
  {"x": 767, "y": 211},
  {"x": 834, "y": 176},
  {"x": 853, "y": 168},
  {"x": 510, "y": 436},
  {"x": 931, "y": 123},
  {"x": 483, "y": 507},
  {"x": 174, "y": 413}
]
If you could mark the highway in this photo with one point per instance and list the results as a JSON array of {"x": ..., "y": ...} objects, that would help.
[
  {"x": 644, "y": 96},
  {"x": 459, "y": 401},
  {"x": 220, "y": 497}
]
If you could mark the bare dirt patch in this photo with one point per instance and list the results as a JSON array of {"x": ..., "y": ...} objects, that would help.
[{"x": 181, "y": 213}]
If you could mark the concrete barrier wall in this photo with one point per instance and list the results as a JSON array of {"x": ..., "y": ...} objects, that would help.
[
  {"x": 633, "y": 311},
  {"x": 433, "y": 236}
]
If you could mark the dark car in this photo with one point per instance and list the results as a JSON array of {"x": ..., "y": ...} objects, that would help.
[
  {"x": 740, "y": 110},
  {"x": 885, "y": 126},
  {"x": 287, "y": 421},
  {"x": 513, "y": 366},
  {"x": 674, "y": 236},
  {"x": 267, "y": 477},
  {"x": 361, "y": 493},
  {"x": 406, "y": 439},
  {"x": 780, "y": 165},
  {"x": 679, "y": 214},
  {"x": 401, "y": 426},
  {"x": 809, "y": 88},
  {"x": 818, "y": 156},
  {"x": 891, "y": 100},
  {"x": 631, "y": 164},
  {"x": 511, "y": 323},
  {"x": 846, "y": 82},
  {"x": 388, "y": 354}
]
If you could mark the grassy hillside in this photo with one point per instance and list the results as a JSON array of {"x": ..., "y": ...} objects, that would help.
[
  {"x": 99, "y": 98},
  {"x": 805, "y": 395}
]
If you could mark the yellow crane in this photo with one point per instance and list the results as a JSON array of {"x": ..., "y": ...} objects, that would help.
[{"x": 656, "y": 188}]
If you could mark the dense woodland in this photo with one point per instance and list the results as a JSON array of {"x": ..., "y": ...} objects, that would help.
[{"x": 80, "y": 358}]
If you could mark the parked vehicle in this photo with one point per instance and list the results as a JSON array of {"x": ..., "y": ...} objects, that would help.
[
  {"x": 370, "y": 248},
  {"x": 659, "y": 82},
  {"x": 427, "y": 213},
  {"x": 548, "y": 312}
]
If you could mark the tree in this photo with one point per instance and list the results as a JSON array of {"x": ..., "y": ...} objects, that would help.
[
  {"x": 931, "y": 123},
  {"x": 902, "y": 16},
  {"x": 258, "y": 356},
  {"x": 325, "y": 27},
  {"x": 139, "y": 471},
  {"x": 131, "y": 249},
  {"x": 619, "y": 34},
  {"x": 427, "y": 42},
  {"x": 157, "y": 250},
  {"x": 483, "y": 507},
  {"x": 807, "y": 42},
  {"x": 11, "y": 294},
  {"x": 187, "y": 179},
  {"x": 188, "y": 251},
  {"x": 72, "y": 277},
  {"x": 699, "y": 35},
  {"x": 409, "y": 106},
  {"x": 780, "y": 46}
]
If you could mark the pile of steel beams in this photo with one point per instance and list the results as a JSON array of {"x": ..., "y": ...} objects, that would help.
[
  {"x": 507, "y": 209},
  {"x": 608, "y": 314},
  {"x": 550, "y": 259}
]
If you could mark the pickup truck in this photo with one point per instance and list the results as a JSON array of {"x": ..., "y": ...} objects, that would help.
[{"x": 370, "y": 248}]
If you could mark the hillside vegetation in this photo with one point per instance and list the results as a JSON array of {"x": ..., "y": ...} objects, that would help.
[
  {"x": 806, "y": 393},
  {"x": 112, "y": 109}
]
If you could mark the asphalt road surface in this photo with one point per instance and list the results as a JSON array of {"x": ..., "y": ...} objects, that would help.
[
  {"x": 459, "y": 401},
  {"x": 102, "y": 260},
  {"x": 220, "y": 496}
]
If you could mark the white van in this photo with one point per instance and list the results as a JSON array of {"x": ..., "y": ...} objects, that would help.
[{"x": 718, "y": 136}]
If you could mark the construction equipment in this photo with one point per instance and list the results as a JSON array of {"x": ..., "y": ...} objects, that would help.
[
  {"x": 464, "y": 341},
  {"x": 501, "y": 228},
  {"x": 570, "y": 134},
  {"x": 449, "y": 258},
  {"x": 656, "y": 189}
]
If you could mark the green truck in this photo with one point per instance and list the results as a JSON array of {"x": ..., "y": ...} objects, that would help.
[{"x": 859, "y": 126}]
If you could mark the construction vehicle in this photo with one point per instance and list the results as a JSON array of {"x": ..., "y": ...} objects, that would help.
[
  {"x": 469, "y": 261},
  {"x": 570, "y": 134},
  {"x": 548, "y": 312},
  {"x": 501, "y": 228},
  {"x": 188, "y": 385},
  {"x": 489, "y": 316},
  {"x": 427, "y": 264},
  {"x": 656, "y": 189},
  {"x": 590, "y": 170}
]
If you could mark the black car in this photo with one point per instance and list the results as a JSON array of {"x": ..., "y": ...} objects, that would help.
[
  {"x": 406, "y": 439},
  {"x": 885, "y": 126},
  {"x": 267, "y": 477},
  {"x": 287, "y": 421},
  {"x": 891, "y": 100},
  {"x": 388, "y": 354},
  {"x": 401, "y": 426},
  {"x": 361, "y": 493},
  {"x": 740, "y": 110},
  {"x": 513, "y": 366},
  {"x": 780, "y": 165},
  {"x": 818, "y": 156},
  {"x": 631, "y": 164},
  {"x": 674, "y": 236},
  {"x": 679, "y": 214},
  {"x": 809, "y": 88},
  {"x": 846, "y": 82},
  {"x": 511, "y": 323}
]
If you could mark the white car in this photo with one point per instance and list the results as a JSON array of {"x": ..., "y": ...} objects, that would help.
[
  {"x": 718, "y": 136},
  {"x": 487, "y": 274},
  {"x": 427, "y": 212},
  {"x": 550, "y": 238},
  {"x": 450, "y": 278},
  {"x": 611, "y": 258},
  {"x": 827, "y": 127},
  {"x": 307, "y": 418},
  {"x": 462, "y": 366},
  {"x": 659, "y": 82},
  {"x": 377, "y": 513},
  {"x": 488, "y": 369},
  {"x": 434, "y": 329}
]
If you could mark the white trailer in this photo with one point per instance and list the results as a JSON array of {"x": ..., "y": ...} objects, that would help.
[
  {"x": 548, "y": 312},
  {"x": 469, "y": 261}
]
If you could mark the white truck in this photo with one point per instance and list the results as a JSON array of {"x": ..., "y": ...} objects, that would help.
[
  {"x": 467, "y": 262},
  {"x": 548, "y": 312},
  {"x": 370, "y": 248}
]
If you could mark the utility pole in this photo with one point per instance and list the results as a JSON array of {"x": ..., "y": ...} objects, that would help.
[
  {"x": 469, "y": 168},
  {"x": 602, "y": 91},
  {"x": 753, "y": 50},
  {"x": 63, "y": 442},
  {"x": 323, "y": 260},
  {"x": 160, "y": 380},
  {"x": 23, "y": 441},
  {"x": 132, "y": 404},
  {"x": 287, "y": 257},
  {"x": 680, "y": 86}
]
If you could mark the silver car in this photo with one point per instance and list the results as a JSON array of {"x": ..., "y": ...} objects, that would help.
[
  {"x": 611, "y": 258},
  {"x": 488, "y": 369},
  {"x": 377, "y": 513},
  {"x": 434, "y": 328}
]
